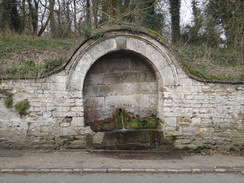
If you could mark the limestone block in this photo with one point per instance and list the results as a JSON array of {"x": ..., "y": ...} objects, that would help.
[
  {"x": 158, "y": 59},
  {"x": 186, "y": 82},
  {"x": 45, "y": 86},
  {"x": 78, "y": 109},
  {"x": 177, "y": 93},
  {"x": 136, "y": 45},
  {"x": 63, "y": 109},
  {"x": 199, "y": 97},
  {"x": 168, "y": 102},
  {"x": 77, "y": 144},
  {"x": 57, "y": 114},
  {"x": 87, "y": 130},
  {"x": 169, "y": 114},
  {"x": 202, "y": 129},
  {"x": 60, "y": 79},
  {"x": 198, "y": 89},
  {"x": 170, "y": 121},
  {"x": 186, "y": 141},
  {"x": 75, "y": 94},
  {"x": 78, "y": 121},
  {"x": 197, "y": 83},
  {"x": 121, "y": 42},
  {"x": 68, "y": 131},
  {"x": 58, "y": 86},
  {"x": 37, "y": 104},
  {"x": 78, "y": 114},
  {"x": 76, "y": 82},
  {"x": 64, "y": 124},
  {"x": 102, "y": 48},
  {"x": 98, "y": 137},
  {"x": 188, "y": 89},
  {"x": 83, "y": 64},
  {"x": 168, "y": 76},
  {"x": 196, "y": 120}
]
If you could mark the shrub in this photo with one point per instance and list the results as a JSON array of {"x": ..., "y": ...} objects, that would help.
[
  {"x": 22, "y": 107},
  {"x": 8, "y": 100}
]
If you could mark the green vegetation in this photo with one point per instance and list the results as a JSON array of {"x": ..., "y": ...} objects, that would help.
[
  {"x": 97, "y": 35},
  {"x": 157, "y": 34},
  {"x": 212, "y": 64},
  {"x": 115, "y": 122},
  {"x": 237, "y": 149},
  {"x": 86, "y": 31},
  {"x": 233, "y": 128},
  {"x": 205, "y": 151},
  {"x": 132, "y": 122},
  {"x": 30, "y": 56},
  {"x": 15, "y": 41},
  {"x": 142, "y": 123},
  {"x": 22, "y": 107},
  {"x": 9, "y": 99}
]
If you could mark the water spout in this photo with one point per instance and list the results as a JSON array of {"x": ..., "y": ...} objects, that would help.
[{"x": 122, "y": 118}]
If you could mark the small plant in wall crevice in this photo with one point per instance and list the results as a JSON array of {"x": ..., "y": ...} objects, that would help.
[
  {"x": 8, "y": 101},
  {"x": 22, "y": 107}
]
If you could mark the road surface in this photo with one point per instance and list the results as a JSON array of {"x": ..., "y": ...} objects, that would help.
[{"x": 122, "y": 178}]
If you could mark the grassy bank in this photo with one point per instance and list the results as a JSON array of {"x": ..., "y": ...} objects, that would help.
[
  {"x": 213, "y": 64},
  {"x": 31, "y": 57}
]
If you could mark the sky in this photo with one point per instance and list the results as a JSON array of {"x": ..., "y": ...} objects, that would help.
[{"x": 186, "y": 12}]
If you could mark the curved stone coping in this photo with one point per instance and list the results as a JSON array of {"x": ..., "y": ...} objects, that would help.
[{"x": 124, "y": 170}]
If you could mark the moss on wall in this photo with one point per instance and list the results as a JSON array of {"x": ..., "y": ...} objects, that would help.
[{"x": 121, "y": 119}]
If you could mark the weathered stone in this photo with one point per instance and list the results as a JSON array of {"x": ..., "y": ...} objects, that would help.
[{"x": 145, "y": 80}]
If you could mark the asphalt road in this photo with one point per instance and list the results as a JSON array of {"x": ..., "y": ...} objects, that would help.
[{"x": 122, "y": 178}]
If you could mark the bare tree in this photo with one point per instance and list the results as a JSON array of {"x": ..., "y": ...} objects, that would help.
[
  {"x": 10, "y": 17},
  {"x": 33, "y": 10},
  {"x": 175, "y": 20}
]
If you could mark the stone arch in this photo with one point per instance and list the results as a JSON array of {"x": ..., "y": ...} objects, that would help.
[
  {"x": 120, "y": 80},
  {"x": 157, "y": 55}
]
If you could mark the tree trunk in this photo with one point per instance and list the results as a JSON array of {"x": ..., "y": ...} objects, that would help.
[
  {"x": 149, "y": 18},
  {"x": 88, "y": 13},
  {"x": 23, "y": 18},
  {"x": 175, "y": 20},
  {"x": 75, "y": 14},
  {"x": 12, "y": 15},
  {"x": 52, "y": 20},
  {"x": 115, "y": 9},
  {"x": 34, "y": 15},
  {"x": 94, "y": 12}
]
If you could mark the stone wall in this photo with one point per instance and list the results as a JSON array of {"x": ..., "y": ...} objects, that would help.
[
  {"x": 119, "y": 81},
  {"x": 191, "y": 113}
]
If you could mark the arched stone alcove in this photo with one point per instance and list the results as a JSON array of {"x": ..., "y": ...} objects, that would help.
[
  {"x": 153, "y": 55},
  {"x": 120, "y": 80}
]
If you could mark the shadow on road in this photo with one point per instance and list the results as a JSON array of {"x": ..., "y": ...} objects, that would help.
[{"x": 144, "y": 155}]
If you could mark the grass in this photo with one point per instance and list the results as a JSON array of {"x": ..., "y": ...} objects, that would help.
[
  {"x": 24, "y": 41},
  {"x": 30, "y": 56},
  {"x": 213, "y": 64}
]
